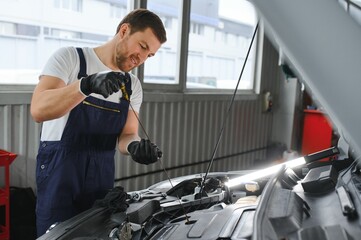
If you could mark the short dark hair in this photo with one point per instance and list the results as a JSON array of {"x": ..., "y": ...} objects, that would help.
[{"x": 141, "y": 19}]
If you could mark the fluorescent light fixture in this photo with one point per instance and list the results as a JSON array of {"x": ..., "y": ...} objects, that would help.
[{"x": 265, "y": 172}]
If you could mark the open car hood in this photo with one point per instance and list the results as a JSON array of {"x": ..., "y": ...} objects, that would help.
[{"x": 320, "y": 41}]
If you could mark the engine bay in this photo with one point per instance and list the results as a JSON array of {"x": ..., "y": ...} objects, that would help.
[{"x": 321, "y": 199}]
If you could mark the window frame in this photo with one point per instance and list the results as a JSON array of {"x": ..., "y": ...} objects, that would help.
[
  {"x": 182, "y": 62},
  {"x": 179, "y": 89}
]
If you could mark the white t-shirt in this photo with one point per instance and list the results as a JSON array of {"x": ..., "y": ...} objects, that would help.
[{"x": 65, "y": 64}]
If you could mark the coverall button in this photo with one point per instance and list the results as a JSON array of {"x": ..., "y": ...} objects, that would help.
[
  {"x": 43, "y": 145},
  {"x": 42, "y": 166}
]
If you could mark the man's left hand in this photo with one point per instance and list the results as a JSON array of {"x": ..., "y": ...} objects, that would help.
[{"x": 144, "y": 151}]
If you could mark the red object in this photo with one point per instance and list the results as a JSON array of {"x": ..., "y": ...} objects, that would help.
[
  {"x": 317, "y": 132},
  {"x": 6, "y": 158}
]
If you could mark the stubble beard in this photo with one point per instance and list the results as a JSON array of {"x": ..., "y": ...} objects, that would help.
[{"x": 121, "y": 63}]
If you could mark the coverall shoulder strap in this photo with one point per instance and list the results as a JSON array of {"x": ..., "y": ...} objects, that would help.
[
  {"x": 128, "y": 83},
  {"x": 82, "y": 70}
]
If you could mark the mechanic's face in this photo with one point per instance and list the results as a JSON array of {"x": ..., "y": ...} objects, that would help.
[{"x": 133, "y": 50}]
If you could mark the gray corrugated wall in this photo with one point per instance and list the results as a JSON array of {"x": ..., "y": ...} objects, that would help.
[
  {"x": 20, "y": 135},
  {"x": 186, "y": 131}
]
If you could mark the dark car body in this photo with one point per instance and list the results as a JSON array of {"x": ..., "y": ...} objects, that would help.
[{"x": 320, "y": 200}]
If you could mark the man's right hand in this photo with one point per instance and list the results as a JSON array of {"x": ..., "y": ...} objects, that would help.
[{"x": 103, "y": 83}]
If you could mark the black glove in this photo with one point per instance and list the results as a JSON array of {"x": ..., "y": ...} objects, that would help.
[
  {"x": 144, "y": 151},
  {"x": 115, "y": 200},
  {"x": 104, "y": 83}
]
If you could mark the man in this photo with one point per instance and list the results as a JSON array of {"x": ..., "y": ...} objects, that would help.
[{"x": 84, "y": 116}]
